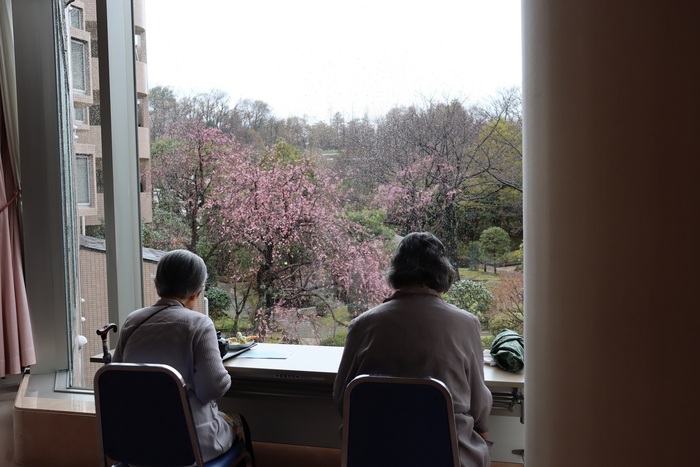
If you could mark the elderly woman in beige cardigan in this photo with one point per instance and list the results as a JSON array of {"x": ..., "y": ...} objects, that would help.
[{"x": 416, "y": 333}]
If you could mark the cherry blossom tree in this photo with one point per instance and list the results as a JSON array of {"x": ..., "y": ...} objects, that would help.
[
  {"x": 286, "y": 214},
  {"x": 187, "y": 165}
]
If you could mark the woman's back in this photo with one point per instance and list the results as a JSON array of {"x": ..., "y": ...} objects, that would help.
[{"x": 418, "y": 334}]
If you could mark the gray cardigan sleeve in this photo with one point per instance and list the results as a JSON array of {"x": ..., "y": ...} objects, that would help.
[{"x": 211, "y": 379}]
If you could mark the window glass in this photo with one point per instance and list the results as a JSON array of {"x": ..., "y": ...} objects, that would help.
[
  {"x": 99, "y": 178},
  {"x": 295, "y": 184},
  {"x": 91, "y": 312},
  {"x": 79, "y": 65},
  {"x": 83, "y": 179},
  {"x": 220, "y": 172},
  {"x": 143, "y": 175},
  {"x": 138, "y": 52},
  {"x": 80, "y": 114},
  {"x": 139, "y": 112},
  {"x": 76, "y": 17}
]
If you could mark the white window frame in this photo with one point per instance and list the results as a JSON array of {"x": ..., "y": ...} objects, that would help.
[{"x": 39, "y": 99}]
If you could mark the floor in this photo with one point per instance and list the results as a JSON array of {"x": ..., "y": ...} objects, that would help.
[{"x": 273, "y": 456}]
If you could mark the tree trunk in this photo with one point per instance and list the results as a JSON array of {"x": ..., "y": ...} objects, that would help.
[{"x": 450, "y": 240}]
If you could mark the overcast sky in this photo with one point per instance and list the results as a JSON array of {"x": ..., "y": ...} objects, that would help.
[{"x": 315, "y": 58}]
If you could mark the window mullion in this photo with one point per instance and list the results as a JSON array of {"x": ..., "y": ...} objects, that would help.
[{"x": 120, "y": 157}]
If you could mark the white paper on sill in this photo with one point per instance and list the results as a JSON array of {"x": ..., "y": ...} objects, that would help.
[
  {"x": 488, "y": 359},
  {"x": 257, "y": 352}
]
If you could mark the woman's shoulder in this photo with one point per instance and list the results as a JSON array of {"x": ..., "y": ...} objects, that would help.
[
  {"x": 457, "y": 314},
  {"x": 195, "y": 318},
  {"x": 172, "y": 311},
  {"x": 374, "y": 311},
  {"x": 141, "y": 312}
]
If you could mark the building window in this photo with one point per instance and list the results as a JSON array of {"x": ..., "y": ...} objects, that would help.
[
  {"x": 83, "y": 179},
  {"x": 75, "y": 17},
  {"x": 144, "y": 169},
  {"x": 139, "y": 112},
  {"x": 79, "y": 68},
  {"x": 80, "y": 115},
  {"x": 137, "y": 48},
  {"x": 99, "y": 176}
]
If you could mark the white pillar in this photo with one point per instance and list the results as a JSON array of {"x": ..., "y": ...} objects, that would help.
[{"x": 612, "y": 252}]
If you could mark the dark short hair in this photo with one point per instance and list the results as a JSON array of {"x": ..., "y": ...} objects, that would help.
[
  {"x": 180, "y": 274},
  {"x": 420, "y": 260}
]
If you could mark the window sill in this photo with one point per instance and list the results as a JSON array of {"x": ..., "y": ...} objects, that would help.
[{"x": 48, "y": 392}]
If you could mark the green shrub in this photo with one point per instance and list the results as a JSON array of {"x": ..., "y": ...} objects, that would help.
[
  {"x": 500, "y": 322},
  {"x": 219, "y": 301},
  {"x": 495, "y": 244},
  {"x": 471, "y": 296},
  {"x": 514, "y": 257}
]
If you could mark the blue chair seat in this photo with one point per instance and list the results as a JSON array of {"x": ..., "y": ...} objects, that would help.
[
  {"x": 394, "y": 421},
  {"x": 145, "y": 418},
  {"x": 229, "y": 457}
]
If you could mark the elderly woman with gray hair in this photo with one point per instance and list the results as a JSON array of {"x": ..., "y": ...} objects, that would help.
[
  {"x": 416, "y": 333},
  {"x": 172, "y": 333}
]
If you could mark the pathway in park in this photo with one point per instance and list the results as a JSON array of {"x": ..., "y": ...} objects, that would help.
[{"x": 307, "y": 330}]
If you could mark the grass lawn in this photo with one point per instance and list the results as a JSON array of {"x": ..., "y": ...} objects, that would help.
[{"x": 489, "y": 279}]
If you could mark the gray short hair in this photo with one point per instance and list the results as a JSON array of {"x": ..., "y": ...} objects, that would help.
[
  {"x": 180, "y": 274},
  {"x": 420, "y": 260}
]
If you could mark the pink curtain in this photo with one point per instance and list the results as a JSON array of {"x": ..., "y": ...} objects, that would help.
[{"x": 16, "y": 342}]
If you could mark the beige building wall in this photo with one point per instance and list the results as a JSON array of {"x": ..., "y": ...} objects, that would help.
[
  {"x": 93, "y": 307},
  {"x": 87, "y": 119}
]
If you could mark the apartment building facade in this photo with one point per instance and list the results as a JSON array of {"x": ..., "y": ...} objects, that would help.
[{"x": 85, "y": 84}]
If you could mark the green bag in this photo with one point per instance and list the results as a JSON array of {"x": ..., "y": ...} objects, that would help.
[{"x": 508, "y": 350}]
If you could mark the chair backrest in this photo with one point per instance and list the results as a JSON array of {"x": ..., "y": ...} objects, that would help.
[
  {"x": 144, "y": 415},
  {"x": 394, "y": 421}
]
